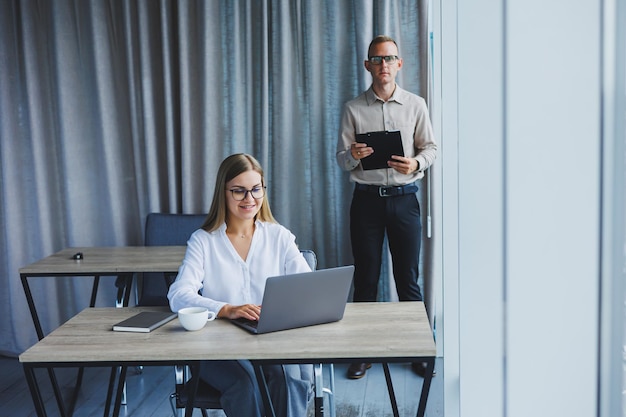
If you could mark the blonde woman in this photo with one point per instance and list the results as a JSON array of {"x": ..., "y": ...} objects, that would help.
[{"x": 227, "y": 261}]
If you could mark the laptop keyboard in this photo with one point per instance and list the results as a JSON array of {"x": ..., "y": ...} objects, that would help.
[{"x": 251, "y": 323}]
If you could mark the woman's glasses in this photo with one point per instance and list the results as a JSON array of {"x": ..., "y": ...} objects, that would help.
[{"x": 240, "y": 194}]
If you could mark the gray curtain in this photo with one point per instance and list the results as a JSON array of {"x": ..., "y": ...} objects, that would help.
[{"x": 110, "y": 110}]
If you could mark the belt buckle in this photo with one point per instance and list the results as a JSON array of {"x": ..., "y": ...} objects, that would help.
[{"x": 384, "y": 191}]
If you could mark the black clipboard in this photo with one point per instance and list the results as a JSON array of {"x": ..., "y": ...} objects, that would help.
[{"x": 385, "y": 144}]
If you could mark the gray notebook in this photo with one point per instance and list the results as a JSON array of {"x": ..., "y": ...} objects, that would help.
[
  {"x": 304, "y": 299},
  {"x": 144, "y": 322}
]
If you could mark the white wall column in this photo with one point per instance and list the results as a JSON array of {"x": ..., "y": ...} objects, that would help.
[{"x": 528, "y": 182}]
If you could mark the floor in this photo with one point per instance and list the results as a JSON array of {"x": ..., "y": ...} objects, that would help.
[{"x": 148, "y": 392}]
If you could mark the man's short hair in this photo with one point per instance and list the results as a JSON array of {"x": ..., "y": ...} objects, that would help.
[{"x": 380, "y": 39}]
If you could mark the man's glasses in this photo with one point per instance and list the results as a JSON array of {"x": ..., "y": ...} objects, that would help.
[
  {"x": 377, "y": 60},
  {"x": 240, "y": 194}
]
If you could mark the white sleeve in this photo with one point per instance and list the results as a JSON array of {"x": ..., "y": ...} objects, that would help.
[{"x": 184, "y": 291}]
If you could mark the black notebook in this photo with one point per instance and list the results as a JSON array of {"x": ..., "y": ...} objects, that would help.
[
  {"x": 144, "y": 322},
  {"x": 385, "y": 144}
]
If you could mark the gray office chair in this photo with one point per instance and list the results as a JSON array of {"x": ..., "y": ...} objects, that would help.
[
  {"x": 208, "y": 398},
  {"x": 161, "y": 229},
  {"x": 164, "y": 230}
]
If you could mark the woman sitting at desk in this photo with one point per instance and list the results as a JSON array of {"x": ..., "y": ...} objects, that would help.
[{"x": 228, "y": 259}]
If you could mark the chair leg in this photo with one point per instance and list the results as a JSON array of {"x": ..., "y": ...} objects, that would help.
[
  {"x": 319, "y": 390},
  {"x": 173, "y": 404},
  {"x": 331, "y": 389}
]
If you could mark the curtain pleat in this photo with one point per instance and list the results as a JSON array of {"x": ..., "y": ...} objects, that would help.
[{"x": 113, "y": 109}]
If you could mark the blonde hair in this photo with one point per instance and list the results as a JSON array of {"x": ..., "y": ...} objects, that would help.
[{"x": 229, "y": 168}]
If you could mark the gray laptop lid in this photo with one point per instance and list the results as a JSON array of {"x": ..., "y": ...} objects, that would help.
[{"x": 304, "y": 299}]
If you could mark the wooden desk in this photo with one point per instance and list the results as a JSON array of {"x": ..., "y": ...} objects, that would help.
[
  {"x": 402, "y": 332},
  {"x": 100, "y": 261},
  {"x": 123, "y": 262}
]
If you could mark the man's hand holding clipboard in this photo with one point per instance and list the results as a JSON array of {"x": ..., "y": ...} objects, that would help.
[{"x": 375, "y": 149}]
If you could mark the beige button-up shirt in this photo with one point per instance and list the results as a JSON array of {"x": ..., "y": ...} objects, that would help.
[{"x": 405, "y": 112}]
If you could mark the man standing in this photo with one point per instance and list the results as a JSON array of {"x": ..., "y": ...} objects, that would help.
[{"x": 384, "y": 200}]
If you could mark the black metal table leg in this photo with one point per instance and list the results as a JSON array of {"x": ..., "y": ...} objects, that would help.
[
  {"x": 35, "y": 393},
  {"x": 428, "y": 377},
  {"x": 193, "y": 388},
  {"x": 120, "y": 389},
  {"x": 110, "y": 388},
  {"x": 79, "y": 381},
  {"x": 40, "y": 335},
  {"x": 31, "y": 306},
  {"x": 38, "y": 329},
  {"x": 265, "y": 392},
  {"x": 94, "y": 290},
  {"x": 392, "y": 395}
]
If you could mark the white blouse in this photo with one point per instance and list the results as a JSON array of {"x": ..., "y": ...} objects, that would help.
[{"x": 213, "y": 267}]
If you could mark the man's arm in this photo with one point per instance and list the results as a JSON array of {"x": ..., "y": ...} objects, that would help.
[
  {"x": 424, "y": 139},
  {"x": 347, "y": 137}
]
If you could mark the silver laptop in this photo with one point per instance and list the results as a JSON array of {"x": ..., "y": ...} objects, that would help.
[{"x": 304, "y": 299}]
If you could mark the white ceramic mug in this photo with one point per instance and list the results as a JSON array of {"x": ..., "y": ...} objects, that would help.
[{"x": 194, "y": 318}]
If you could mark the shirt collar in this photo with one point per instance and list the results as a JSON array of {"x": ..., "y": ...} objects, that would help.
[
  {"x": 398, "y": 96},
  {"x": 257, "y": 224}
]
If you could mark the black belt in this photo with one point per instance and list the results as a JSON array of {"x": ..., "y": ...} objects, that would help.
[{"x": 391, "y": 191}]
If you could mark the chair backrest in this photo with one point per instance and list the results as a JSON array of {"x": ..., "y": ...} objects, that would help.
[
  {"x": 163, "y": 229},
  {"x": 310, "y": 257}
]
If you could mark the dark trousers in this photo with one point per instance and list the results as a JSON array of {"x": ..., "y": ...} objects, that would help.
[
  {"x": 370, "y": 217},
  {"x": 289, "y": 387}
]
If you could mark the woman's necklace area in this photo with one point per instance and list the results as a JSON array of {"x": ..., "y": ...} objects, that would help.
[{"x": 241, "y": 235}]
